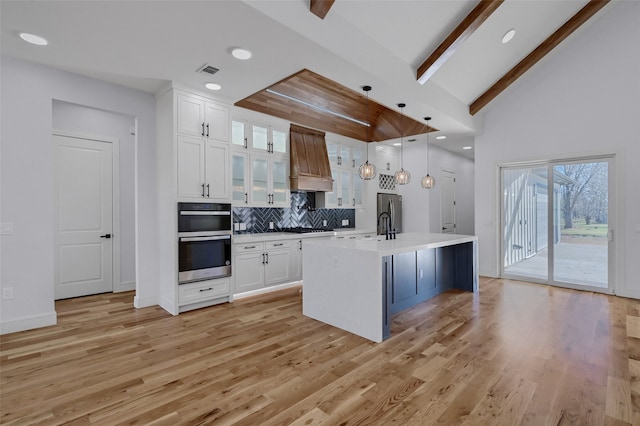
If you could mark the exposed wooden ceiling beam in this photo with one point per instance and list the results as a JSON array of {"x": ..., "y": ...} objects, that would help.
[
  {"x": 538, "y": 53},
  {"x": 320, "y": 7},
  {"x": 454, "y": 40}
]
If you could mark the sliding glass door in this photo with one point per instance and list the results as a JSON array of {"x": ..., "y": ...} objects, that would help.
[{"x": 557, "y": 223}]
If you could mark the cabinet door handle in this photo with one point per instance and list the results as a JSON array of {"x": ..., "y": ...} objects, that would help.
[
  {"x": 354, "y": 202},
  {"x": 278, "y": 244},
  {"x": 203, "y": 189},
  {"x": 208, "y": 193},
  {"x": 246, "y": 143},
  {"x": 206, "y": 289},
  {"x": 353, "y": 163},
  {"x": 300, "y": 244},
  {"x": 207, "y": 129},
  {"x": 203, "y": 128},
  {"x": 107, "y": 236},
  {"x": 263, "y": 258},
  {"x": 267, "y": 256},
  {"x": 249, "y": 247},
  {"x": 246, "y": 198}
]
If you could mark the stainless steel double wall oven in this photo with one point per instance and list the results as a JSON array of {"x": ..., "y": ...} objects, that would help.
[{"x": 204, "y": 241}]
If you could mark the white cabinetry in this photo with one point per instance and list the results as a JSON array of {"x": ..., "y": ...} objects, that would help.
[
  {"x": 345, "y": 161},
  {"x": 259, "y": 165},
  {"x": 204, "y": 168},
  {"x": 203, "y": 290},
  {"x": 261, "y": 264},
  {"x": 296, "y": 260},
  {"x": 193, "y": 163},
  {"x": 198, "y": 116},
  {"x": 387, "y": 160}
]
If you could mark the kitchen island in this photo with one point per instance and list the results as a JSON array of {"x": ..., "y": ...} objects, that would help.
[{"x": 358, "y": 284}]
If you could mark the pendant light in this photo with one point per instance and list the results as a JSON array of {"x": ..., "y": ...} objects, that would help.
[
  {"x": 402, "y": 177},
  {"x": 428, "y": 181},
  {"x": 367, "y": 171}
]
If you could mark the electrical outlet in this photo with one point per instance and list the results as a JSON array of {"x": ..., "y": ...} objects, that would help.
[
  {"x": 243, "y": 226},
  {"x": 7, "y": 293},
  {"x": 421, "y": 273},
  {"x": 345, "y": 222},
  {"x": 236, "y": 226},
  {"x": 324, "y": 222},
  {"x": 270, "y": 225}
]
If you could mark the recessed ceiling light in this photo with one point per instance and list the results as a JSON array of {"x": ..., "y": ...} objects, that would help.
[
  {"x": 397, "y": 144},
  {"x": 34, "y": 39},
  {"x": 506, "y": 38},
  {"x": 441, "y": 137},
  {"x": 467, "y": 147},
  {"x": 242, "y": 54},
  {"x": 213, "y": 86}
]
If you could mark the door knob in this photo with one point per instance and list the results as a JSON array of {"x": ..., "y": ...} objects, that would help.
[{"x": 105, "y": 236}]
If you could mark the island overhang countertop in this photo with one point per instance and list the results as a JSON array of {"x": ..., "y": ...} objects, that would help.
[{"x": 404, "y": 242}]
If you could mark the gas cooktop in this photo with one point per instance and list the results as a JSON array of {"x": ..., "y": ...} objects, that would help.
[{"x": 301, "y": 230}]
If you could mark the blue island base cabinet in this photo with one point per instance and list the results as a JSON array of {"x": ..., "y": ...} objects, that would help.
[
  {"x": 358, "y": 285},
  {"x": 413, "y": 277}
]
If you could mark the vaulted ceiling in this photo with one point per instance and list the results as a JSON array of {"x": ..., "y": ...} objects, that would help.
[{"x": 382, "y": 43}]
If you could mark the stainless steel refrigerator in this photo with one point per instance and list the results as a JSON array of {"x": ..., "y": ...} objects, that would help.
[{"x": 392, "y": 204}]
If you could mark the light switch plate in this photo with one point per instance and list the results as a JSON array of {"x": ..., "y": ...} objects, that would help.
[
  {"x": 270, "y": 225},
  {"x": 345, "y": 222},
  {"x": 243, "y": 226},
  {"x": 6, "y": 228},
  {"x": 236, "y": 226}
]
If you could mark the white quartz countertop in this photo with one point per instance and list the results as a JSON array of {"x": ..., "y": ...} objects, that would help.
[
  {"x": 273, "y": 236},
  {"x": 404, "y": 242}
]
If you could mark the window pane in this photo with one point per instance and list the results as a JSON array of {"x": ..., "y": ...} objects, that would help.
[{"x": 524, "y": 215}]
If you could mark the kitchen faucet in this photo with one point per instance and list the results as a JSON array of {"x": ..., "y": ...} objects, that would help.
[{"x": 387, "y": 221}]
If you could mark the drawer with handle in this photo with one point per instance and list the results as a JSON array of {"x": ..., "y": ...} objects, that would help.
[
  {"x": 271, "y": 245},
  {"x": 248, "y": 247},
  {"x": 204, "y": 290}
]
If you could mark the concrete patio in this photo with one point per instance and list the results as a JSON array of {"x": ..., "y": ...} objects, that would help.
[{"x": 577, "y": 263}]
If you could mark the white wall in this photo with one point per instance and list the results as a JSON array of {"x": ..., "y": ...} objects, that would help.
[
  {"x": 26, "y": 186},
  {"x": 421, "y": 211},
  {"x": 94, "y": 122},
  {"x": 582, "y": 100}
]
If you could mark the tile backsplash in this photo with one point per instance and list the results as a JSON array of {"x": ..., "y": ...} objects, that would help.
[{"x": 300, "y": 213}]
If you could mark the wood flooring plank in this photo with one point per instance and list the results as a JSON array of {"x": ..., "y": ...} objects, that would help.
[{"x": 514, "y": 353}]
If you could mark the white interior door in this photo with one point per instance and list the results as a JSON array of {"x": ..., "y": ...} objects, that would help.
[
  {"x": 84, "y": 216},
  {"x": 448, "y": 202}
]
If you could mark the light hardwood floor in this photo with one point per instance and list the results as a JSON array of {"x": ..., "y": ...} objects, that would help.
[{"x": 515, "y": 353}]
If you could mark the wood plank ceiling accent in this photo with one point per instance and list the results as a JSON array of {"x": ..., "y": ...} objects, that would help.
[
  {"x": 537, "y": 54},
  {"x": 457, "y": 37},
  {"x": 320, "y": 7},
  {"x": 312, "y": 100}
]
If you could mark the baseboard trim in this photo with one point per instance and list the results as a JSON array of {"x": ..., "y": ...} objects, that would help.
[
  {"x": 266, "y": 290},
  {"x": 28, "y": 323},
  {"x": 125, "y": 286},
  {"x": 140, "y": 302}
]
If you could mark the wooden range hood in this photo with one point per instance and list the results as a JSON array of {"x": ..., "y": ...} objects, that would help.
[{"x": 309, "y": 161}]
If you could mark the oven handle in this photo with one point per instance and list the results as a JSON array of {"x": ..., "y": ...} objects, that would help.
[
  {"x": 190, "y": 239},
  {"x": 200, "y": 213}
]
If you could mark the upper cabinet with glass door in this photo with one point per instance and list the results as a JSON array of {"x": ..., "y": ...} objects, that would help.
[
  {"x": 344, "y": 156},
  {"x": 259, "y": 137}
]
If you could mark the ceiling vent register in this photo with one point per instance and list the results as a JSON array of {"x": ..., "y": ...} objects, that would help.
[{"x": 208, "y": 69}]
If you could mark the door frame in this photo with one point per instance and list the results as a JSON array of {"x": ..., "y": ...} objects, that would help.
[
  {"x": 115, "y": 198},
  {"x": 455, "y": 221},
  {"x": 616, "y": 208}
]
